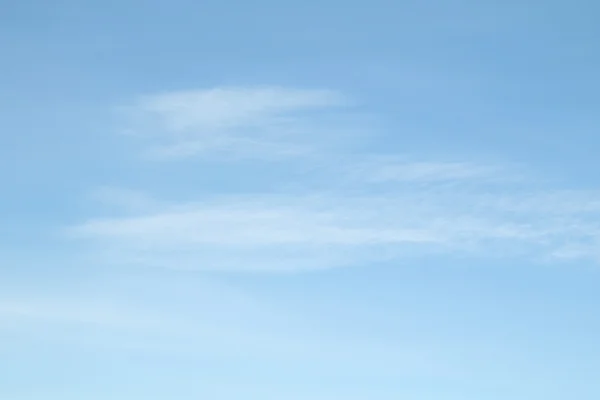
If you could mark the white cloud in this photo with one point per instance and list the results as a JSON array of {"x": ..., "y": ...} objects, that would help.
[
  {"x": 249, "y": 234},
  {"x": 261, "y": 122},
  {"x": 147, "y": 313},
  {"x": 356, "y": 207},
  {"x": 192, "y": 316},
  {"x": 288, "y": 232},
  {"x": 232, "y": 107}
]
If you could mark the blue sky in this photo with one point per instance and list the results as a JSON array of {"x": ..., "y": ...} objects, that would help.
[{"x": 299, "y": 200}]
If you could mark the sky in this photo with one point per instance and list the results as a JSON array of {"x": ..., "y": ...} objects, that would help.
[{"x": 308, "y": 200}]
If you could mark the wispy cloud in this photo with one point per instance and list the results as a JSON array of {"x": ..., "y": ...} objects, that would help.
[
  {"x": 195, "y": 316},
  {"x": 177, "y": 319},
  {"x": 367, "y": 207},
  {"x": 263, "y": 122},
  {"x": 250, "y": 233},
  {"x": 281, "y": 233}
]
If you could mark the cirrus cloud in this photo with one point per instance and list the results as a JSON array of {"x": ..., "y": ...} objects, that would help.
[{"x": 367, "y": 207}]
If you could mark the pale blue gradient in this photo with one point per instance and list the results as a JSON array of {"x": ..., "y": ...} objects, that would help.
[{"x": 427, "y": 228}]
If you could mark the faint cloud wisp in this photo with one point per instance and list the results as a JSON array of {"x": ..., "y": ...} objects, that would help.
[{"x": 368, "y": 207}]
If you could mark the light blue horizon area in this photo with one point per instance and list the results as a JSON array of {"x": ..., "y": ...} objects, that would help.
[{"x": 310, "y": 200}]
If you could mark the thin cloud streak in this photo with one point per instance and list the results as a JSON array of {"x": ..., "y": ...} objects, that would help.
[
  {"x": 367, "y": 207},
  {"x": 198, "y": 317},
  {"x": 278, "y": 233},
  {"x": 261, "y": 122}
]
